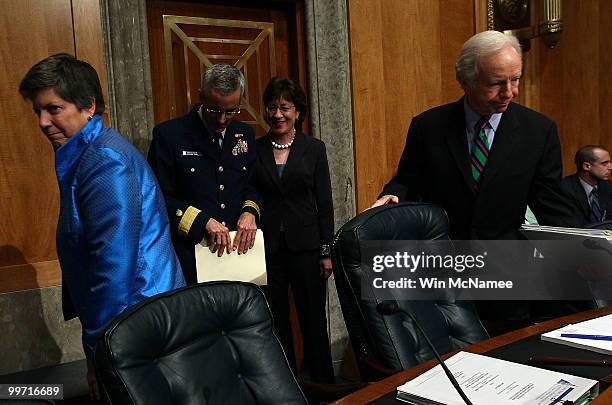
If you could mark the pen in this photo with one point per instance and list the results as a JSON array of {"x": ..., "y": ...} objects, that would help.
[
  {"x": 562, "y": 361},
  {"x": 589, "y": 337}
]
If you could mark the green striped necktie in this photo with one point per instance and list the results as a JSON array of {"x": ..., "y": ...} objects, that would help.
[{"x": 480, "y": 150}]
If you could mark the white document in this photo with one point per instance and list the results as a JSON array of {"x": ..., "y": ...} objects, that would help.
[
  {"x": 249, "y": 267},
  {"x": 542, "y": 232},
  {"x": 486, "y": 380},
  {"x": 597, "y": 326},
  {"x": 596, "y": 243}
]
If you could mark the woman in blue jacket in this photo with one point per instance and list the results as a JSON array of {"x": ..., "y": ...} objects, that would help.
[{"x": 113, "y": 239}]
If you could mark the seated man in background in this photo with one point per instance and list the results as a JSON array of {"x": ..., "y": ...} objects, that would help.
[{"x": 589, "y": 186}]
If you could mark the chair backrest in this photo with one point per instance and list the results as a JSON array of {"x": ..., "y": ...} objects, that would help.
[
  {"x": 211, "y": 343},
  {"x": 602, "y": 289},
  {"x": 393, "y": 341}
]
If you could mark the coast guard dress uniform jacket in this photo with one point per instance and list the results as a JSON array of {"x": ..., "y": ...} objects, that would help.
[{"x": 200, "y": 182}]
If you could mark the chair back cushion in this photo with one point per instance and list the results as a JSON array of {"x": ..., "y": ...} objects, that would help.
[
  {"x": 601, "y": 290},
  {"x": 393, "y": 340},
  {"x": 210, "y": 343}
]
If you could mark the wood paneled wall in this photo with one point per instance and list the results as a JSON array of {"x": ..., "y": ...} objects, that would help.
[
  {"x": 31, "y": 30},
  {"x": 402, "y": 63},
  {"x": 570, "y": 82}
]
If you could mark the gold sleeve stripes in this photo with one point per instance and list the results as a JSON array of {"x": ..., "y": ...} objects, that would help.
[
  {"x": 252, "y": 204},
  {"x": 187, "y": 220}
]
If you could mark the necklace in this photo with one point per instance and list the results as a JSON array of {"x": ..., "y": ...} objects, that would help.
[{"x": 286, "y": 145}]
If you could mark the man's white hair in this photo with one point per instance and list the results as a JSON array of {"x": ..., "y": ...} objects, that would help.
[{"x": 481, "y": 44}]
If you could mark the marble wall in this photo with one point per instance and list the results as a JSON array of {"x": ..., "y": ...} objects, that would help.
[
  {"x": 332, "y": 121},
  {"x": 34, "y": 333},
  {"x": 126, "y": 50}
]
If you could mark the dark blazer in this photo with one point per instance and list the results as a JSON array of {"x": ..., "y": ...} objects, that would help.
[
  {"x": 301, "y": 199},
  {"x": 200, "y": 182},
  {"x": 571, "y": 184},
  {"x": 524, "y": 167}
]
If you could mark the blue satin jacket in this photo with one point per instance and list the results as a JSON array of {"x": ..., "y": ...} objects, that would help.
[{"x": 113, "y": 237}]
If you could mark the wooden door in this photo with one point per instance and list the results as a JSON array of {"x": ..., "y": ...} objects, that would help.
[{"x": 262, "y": 40}]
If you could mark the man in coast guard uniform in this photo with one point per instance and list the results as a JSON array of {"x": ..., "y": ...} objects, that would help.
[{"x": 205, "y": 164}]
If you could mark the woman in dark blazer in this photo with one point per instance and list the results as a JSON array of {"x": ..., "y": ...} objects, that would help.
[{"x": 297, "y": 222}]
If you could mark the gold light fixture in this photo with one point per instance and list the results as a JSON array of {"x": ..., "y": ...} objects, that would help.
[
  {"x": 514, "y": 17},
  {"x": 551, "y": 25}
]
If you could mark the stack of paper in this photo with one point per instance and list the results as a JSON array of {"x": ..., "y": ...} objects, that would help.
[
  {"x": 486, "y": 380},
  {"x": 594, "y": 335},
  {"x": 591, "y": 243},
  {"x": 542, "y": 232}
]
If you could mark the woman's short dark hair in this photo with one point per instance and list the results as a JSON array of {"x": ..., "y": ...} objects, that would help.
[
  {"x": 290, "y": 90},
  {"x": 73, "y": 80}
]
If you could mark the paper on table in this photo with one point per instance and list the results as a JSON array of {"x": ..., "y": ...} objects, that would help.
[
  {"x": 597, "y": 326},
  {"x": 249, "y": 267},
  {"x": 486, "y": 380},
  {"x": 594, "y": 244},
  {"x": 542, "y": 232}
]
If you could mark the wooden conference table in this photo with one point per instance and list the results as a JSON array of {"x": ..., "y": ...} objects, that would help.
[{"x": 389, "y": 384}]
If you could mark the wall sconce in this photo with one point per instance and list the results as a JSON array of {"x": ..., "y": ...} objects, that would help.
[{"x": 513, "y": 17}]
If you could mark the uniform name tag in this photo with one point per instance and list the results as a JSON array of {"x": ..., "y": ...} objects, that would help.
[{"x": 191, "y": 153}]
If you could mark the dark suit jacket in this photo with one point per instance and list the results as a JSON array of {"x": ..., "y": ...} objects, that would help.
[
  {"x": 524, "y": 167},
  {"x": 301, "y": 199},
  {"x": 200, "y": 182},
  {"x": 571, "y": 184}
]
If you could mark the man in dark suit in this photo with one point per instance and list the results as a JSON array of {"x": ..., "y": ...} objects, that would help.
[
  {"x": 441, "y": 163},
  {"x": 205, "y": 164},
  {"x": 483, "y": 158},
  {"x": 589, "y": 186}
]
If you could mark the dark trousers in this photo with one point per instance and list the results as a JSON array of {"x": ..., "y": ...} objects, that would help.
[{"x": 300, "y": 270}]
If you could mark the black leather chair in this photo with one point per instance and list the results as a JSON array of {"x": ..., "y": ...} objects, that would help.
[
  {"x": 601, "y": 290},
  {"x": 211, "y": 343},
  {"x": 387, "y": 344}
]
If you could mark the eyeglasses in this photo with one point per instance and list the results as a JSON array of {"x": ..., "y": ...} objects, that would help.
[
  {"x": 218, "y": 111},
  {"x": 271, "y": 109}
]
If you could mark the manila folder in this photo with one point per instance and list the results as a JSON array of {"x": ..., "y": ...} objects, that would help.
[{"x": 249, "y": 267}]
